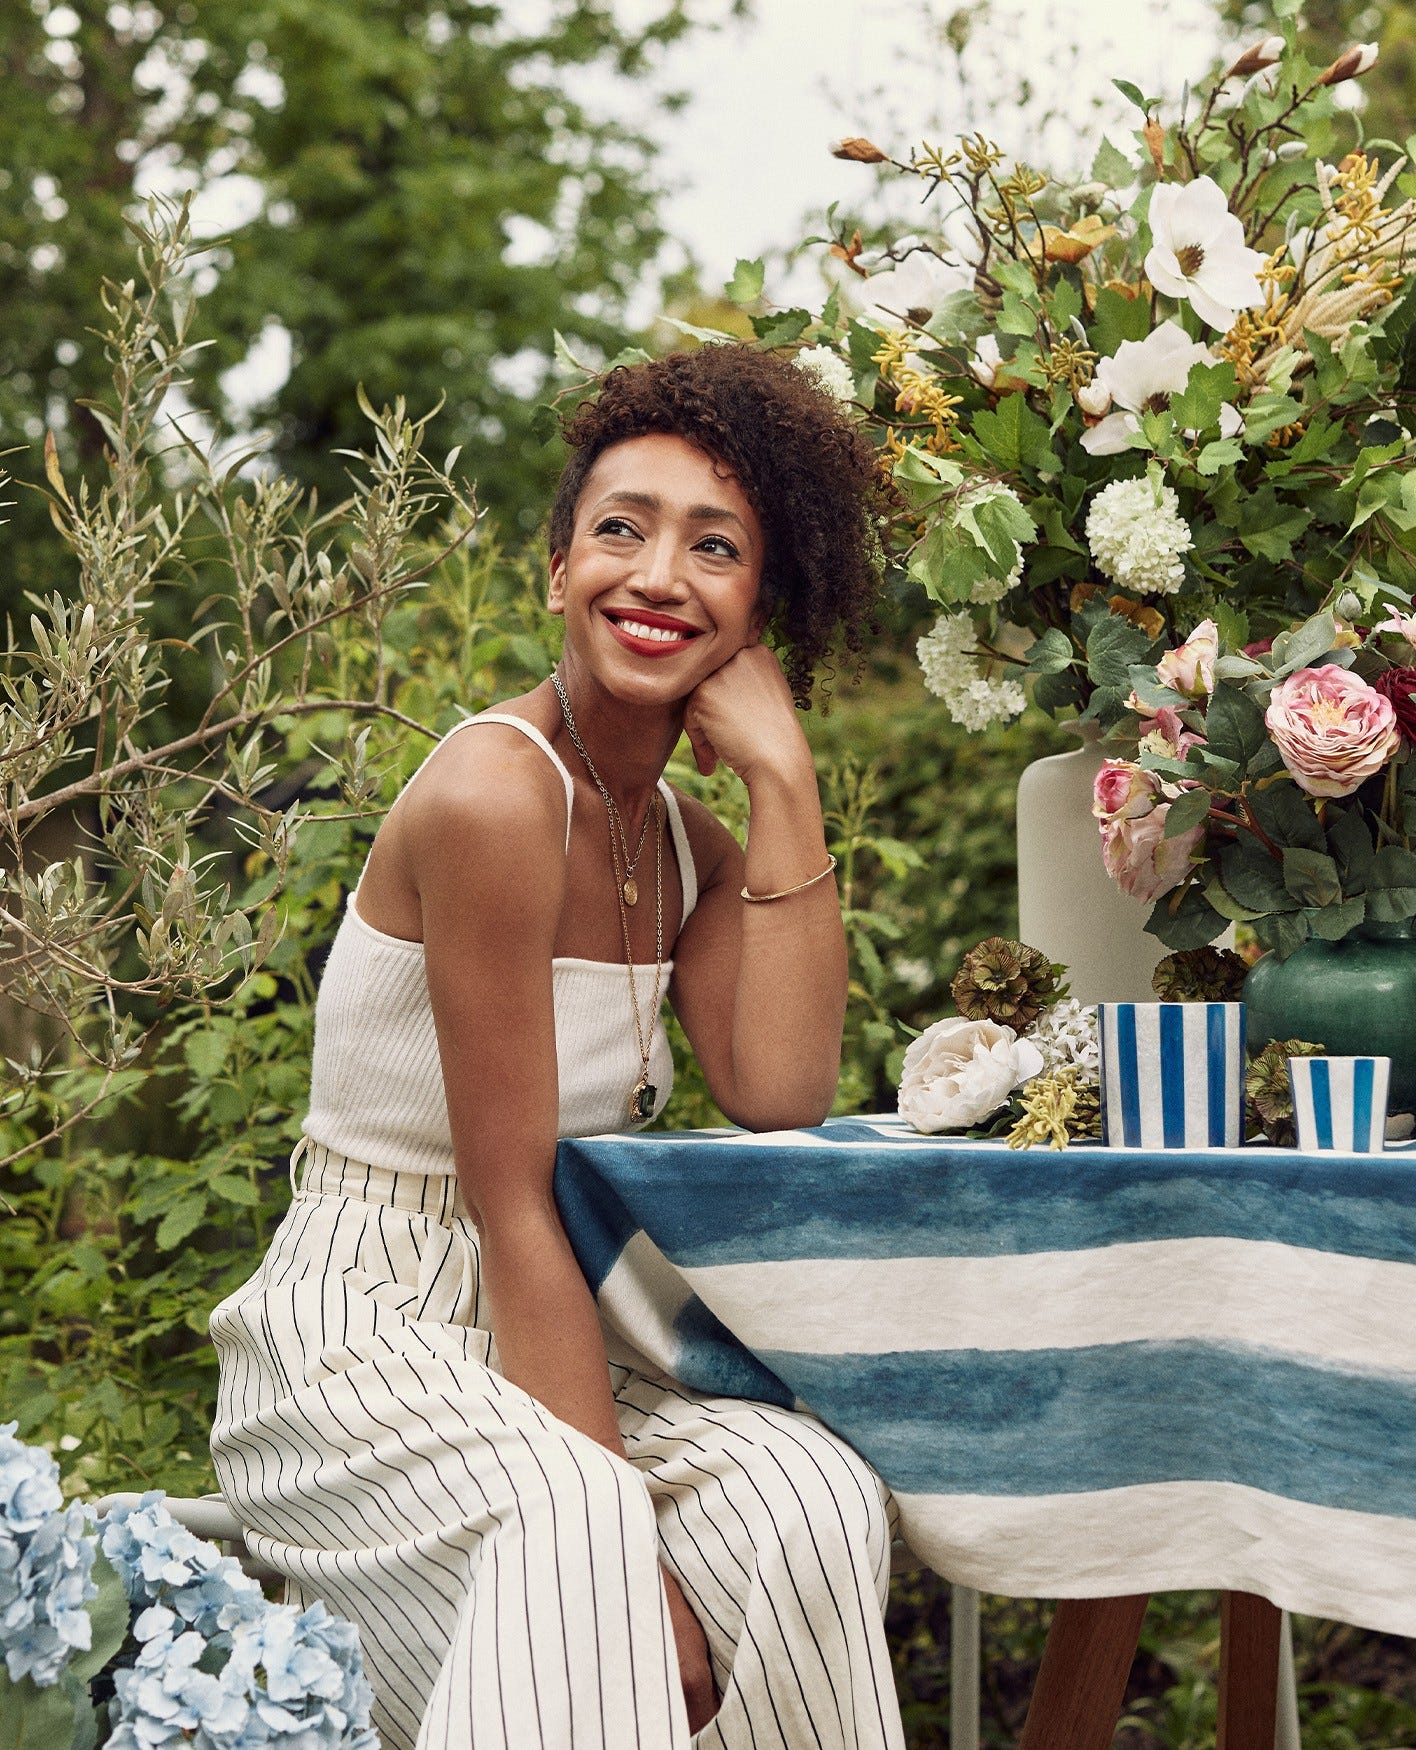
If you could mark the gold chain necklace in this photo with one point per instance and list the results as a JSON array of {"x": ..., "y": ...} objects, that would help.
[
  {"x": 644, "y": 1093},
  {"x": 628, "y": 886}
]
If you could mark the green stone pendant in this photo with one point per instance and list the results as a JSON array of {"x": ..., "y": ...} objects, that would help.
[{"x": 641, "y": 1102}]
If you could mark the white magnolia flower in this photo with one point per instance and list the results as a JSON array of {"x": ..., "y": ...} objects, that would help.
[
  {"x": 1140, "y": 378},
  {"x": 959, "y": 1072},
  {"x": 1137, "y": 535},
  {"x": 987, "y": 361},
  {"x": 910, "y": 292},
  {"x": 829, "y": 371},
  {"x": 1065, "y": 1034},
  {"x": 1198, "y": 251},
  {"x": 1094, "y": 398},
  {"x": 947, "y": 654}
]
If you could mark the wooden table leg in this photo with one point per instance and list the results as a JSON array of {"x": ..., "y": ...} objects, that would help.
[
  {"x": 1248, "y": 1671},
  {"x": 1080, "y": 1686}
]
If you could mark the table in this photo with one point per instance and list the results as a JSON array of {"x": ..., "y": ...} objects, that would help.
[{"x": 1088, "y": 1374}]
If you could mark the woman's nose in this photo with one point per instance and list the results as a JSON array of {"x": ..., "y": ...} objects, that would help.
[{"x": 661, "y": 573}]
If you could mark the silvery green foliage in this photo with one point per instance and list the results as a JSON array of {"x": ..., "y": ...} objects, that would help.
[
  {"x": 93, "y": 743},
  {"x": 46, "y": 1558}
]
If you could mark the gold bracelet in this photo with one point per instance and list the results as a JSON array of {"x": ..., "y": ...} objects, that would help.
[{"x": 762, "y": 898}]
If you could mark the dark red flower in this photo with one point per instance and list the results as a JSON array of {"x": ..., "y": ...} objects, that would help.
[
  {"x": 1260, "y": 647},
  {"x": 1399, "y": 685}
]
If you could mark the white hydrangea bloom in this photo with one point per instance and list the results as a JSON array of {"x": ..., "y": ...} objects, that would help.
[
  {"x": 1137, "y": 536},
  {"x": 829, "y": 371},
  {"x": 1065, "y": 1034},
  {"x": 992, "y": 589},
  {"x": 951, "y": 673}
]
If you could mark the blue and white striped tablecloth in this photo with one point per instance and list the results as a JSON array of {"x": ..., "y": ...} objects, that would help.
[{"x": 1082, "y": 1373}]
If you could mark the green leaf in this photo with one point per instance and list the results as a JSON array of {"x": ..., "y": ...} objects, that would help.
[
  {"x": 1193, "y": 924},
  {"x": 1266, "y": 414},
  {"x": 1066, "y": 303},
  {"x": 1052, "y": 653},
  {"x": 1133, "y": 94},
  {"x": 234, "y": 1189},
  {"x": 780, "y": 327},
  {"x": 1287, "y": 815},
  {"x": 1330, "y": 923},
  {"x": 1113, "y": 644},
  {"x": 1311, "y": 876},
  {"x": 747, "y": 281},
  {"x": 1219, "y": 454},
  {"x": 34, "y": 1718},
  {"x": 1391, "y": 893},
  {"x": 1016, "y": 317},
  {"x": 206, "y": 1052},
  {"x": 1117, "y": 318},
  {"x": 1015, "y": 436},
  {"x": 1302, "y": 647},
  {"x": 1208, "y": 389},
  {"x": 1253, "y": 878},
  {"x": 108, "y": 1613},
  {"x": 1350, "y": 841},
  {"x": 1112, "y": 166},
  {"x": 1187, "y": 810},
  {"x": 183, "y": 1218},
  {"x": 1234, "y": 724}
]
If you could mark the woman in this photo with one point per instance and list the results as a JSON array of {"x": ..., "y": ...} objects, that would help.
[{"x": 418, "y": 1419}]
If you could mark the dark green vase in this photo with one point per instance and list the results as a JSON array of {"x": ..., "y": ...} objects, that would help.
[{"x": 1356, "y": 998}]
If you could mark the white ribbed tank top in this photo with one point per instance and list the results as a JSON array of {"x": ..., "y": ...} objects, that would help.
[{"x": 376, "y": 1087}]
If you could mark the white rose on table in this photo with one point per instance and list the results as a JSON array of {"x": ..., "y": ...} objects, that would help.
[{"x": 959, "y": 1072}]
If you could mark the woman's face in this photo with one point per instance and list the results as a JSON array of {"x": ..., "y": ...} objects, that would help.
[{"x": 662, "y": 577}]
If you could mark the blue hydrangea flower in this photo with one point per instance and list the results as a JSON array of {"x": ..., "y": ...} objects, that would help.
[
  {"x": 289, "y": 1678},
  {"x": 161, "y": 1563},
  {"x": 46, "y": 1562}
]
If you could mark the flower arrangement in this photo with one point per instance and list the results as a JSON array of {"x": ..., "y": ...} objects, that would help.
[
  {"x": 1021, "y": 1055},
  {"x": 189, "y": 1649},
  {"x": 1174, "y": 394},
  {"x": 1272, "y": 786}
]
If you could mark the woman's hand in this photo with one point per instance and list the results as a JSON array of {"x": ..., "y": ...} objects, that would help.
[
  {"x": 695, "y": 1673},
  {"x": 744, "y": 715}
]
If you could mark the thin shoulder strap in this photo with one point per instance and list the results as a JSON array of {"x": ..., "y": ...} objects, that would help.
[
  {"x": 527, "y": 729},
  {"x": 688, "y": 874},
  {"x": 532, "y": 733}
]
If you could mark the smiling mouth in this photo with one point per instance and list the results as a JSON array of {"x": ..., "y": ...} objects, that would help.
[{"x": 654, "y": 631}]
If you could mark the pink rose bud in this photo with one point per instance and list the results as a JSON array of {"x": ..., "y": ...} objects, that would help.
[
  {"x": 1122, "y": 791},
  {"x": 1141, "y": 860},
  {"x": 1190, "y": 668},
  {"x": 1333, "y": 730},
  {"x": 1256, "y": 57}
]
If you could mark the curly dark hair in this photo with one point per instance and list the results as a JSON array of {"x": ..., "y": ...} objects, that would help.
[{"x": 804, "y": 465}]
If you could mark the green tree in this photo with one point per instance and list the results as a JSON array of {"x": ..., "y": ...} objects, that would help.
[{"x": 432, "y": 200}]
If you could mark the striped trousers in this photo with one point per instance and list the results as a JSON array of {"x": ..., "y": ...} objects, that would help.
[{"x": 502, "y": 1567}]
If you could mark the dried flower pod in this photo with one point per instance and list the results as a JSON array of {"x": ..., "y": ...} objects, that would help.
[
  {"x": 1201, "y": 975},
  {"x": 1006, "y": 982},
  {"x": 1155, "y": 143},
  {"x": 1270, "y": 1092},
  {"x": 859, "y": 151}
]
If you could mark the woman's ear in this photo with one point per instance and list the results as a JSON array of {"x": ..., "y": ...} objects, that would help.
[{"x": 555, "y": 594}]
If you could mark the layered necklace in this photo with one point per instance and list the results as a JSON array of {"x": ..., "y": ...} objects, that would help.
[{"x": 644, "y": 1093}]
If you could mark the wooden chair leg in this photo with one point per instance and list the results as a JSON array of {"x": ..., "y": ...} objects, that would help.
[
  {"x": 1081, "y": 1684},
  {"x": 1248, "y": 1671}
]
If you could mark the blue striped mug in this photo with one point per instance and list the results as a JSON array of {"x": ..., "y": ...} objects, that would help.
[
  {"x": 1172, "y": 1074},
  {"x": 1340, "y": 1103}
]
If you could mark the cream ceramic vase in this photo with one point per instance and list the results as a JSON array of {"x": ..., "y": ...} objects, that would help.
[{"x": 1068, "y": 906}]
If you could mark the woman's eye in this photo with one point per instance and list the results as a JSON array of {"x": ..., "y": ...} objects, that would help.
[
  {"x": 615, "y": 525},
  {"x": 719, "y": 544}
]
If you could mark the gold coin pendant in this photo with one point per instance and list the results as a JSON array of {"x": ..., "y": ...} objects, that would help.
[{"x": 631, "y": 891}]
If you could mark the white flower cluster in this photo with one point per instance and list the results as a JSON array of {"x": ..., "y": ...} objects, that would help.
[
  {"x": 1137, "y": 535},
  {"x": 947, "y": 655},
  {"x": 829, "y": 371},
  {"x": 1065, "y": 1034},
  {"x": 992, "y": 589}
]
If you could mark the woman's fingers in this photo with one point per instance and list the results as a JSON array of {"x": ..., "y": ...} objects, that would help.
[
  {"x": 695, "y": 1673},
  {"x": 703, "y": 750}
]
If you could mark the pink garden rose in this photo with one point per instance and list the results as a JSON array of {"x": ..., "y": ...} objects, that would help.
[
  {"x": 1140, "y": 859},
  {"x": 1332, "y": 729},
  {"x": 1122, "y": 791},
  {"x": 1190, "y": 667}
]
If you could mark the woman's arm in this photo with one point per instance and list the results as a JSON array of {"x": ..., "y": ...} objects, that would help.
[
  {"x": 485, "y": 835},
  {"x": 761, "y": 989}
]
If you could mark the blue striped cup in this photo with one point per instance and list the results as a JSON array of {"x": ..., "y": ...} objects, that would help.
[
  {"x": 1340, "y": 1103},
  {"x": 1172, "y": 1074}
]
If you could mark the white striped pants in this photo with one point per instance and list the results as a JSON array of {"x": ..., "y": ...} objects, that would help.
[{"x": 503, "y": 1567}]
